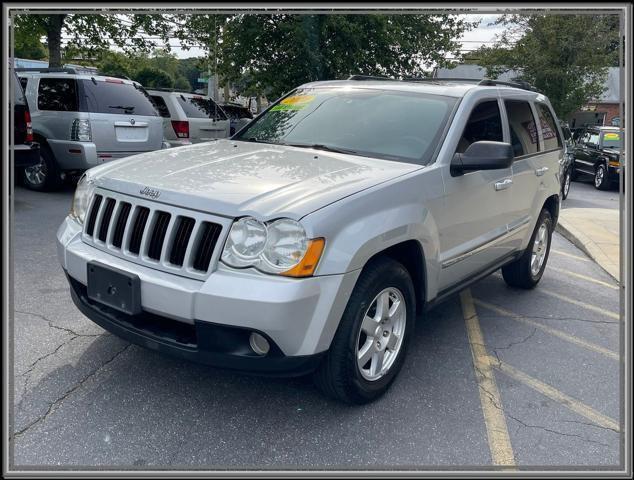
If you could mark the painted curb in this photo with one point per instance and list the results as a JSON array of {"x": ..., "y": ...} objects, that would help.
[{"x": 586, "y": 245}]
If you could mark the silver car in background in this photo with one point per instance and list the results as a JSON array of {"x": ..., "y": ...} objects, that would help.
[
  {"x": 189, "y": 118},
  {"x": 83, "y": 120}
]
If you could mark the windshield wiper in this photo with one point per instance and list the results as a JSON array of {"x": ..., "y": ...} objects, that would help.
[
  {"x": 122, "y": 107},
  {"x": 321, "y": 146}
]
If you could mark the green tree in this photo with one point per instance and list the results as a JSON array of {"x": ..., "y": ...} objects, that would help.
[
  {"x": 116, "y": 64},
  {"x": 151, "y": 77},
  {"x": 181, "y": 83},
  {"x": 272, "y": 53},
  {"x": 28, "y": 44},
  {"x": 564, "y": 56},
  {"x": 95, "y": 32}
]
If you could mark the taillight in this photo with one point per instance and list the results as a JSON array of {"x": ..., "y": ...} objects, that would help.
[
  {"x": 80, "y": 130},
  {"x": 181, "y": 128},
  {"x": 29, "y": 127}
]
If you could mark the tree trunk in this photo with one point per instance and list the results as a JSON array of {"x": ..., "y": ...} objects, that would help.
[{"x": 54, "y": 39}]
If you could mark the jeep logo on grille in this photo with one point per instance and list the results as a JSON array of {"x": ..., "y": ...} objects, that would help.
[{"x": 149, "y": 192}]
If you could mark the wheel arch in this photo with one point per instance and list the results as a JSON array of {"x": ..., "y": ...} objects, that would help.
[
  {"x": 552, "y": 204},
  {"x": 411, "y": 255}
]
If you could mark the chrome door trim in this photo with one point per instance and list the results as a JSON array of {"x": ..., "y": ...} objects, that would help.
[{"x": 510, "y": 230}]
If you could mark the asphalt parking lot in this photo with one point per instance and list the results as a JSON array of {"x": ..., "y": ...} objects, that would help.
[{"x": 525, "y": 379}]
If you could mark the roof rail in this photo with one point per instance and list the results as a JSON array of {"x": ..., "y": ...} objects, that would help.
[
  {"x": 369, "y": 77},
  {"x": 434, "y": 79},
  {"x": 174, "y": 90},
  {"x": 46, "y": 70},
  {"x": 517, "y": 84}
]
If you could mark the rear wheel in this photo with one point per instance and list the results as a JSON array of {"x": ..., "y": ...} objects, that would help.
[
  {"x": 527, "y": 271},
  {"x": 565, "y": 187},
  {"x": 369, "y": 347},
  {"x": 601, "y": 181},
  {"x": 45, "y": 175}
]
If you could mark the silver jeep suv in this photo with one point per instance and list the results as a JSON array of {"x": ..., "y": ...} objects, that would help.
[
  {"x": 312, "y": 240},
  {"x": 84, "y": 120}
]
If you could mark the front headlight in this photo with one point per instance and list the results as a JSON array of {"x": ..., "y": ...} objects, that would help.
[
  {"x": 279, "y": 247},
  {"x": 81, "y": 199}
]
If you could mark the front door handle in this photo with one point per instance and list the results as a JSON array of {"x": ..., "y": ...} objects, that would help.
[
  {"x": 503, "y": 184},
  {"x": 540, "y": 171}
]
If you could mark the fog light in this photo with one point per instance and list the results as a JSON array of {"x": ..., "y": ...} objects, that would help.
[{"x": 259, "y": 344}]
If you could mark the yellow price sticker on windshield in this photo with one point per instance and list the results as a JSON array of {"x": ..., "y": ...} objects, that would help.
[
  {"x": 611, "y": 136},
  {"x": 296, "y": 102}
]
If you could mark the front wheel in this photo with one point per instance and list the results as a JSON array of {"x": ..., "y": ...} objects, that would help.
[
  {"x": 601, "y": 181},
  {"x": 370, "y": 344},
  {"x": 527, "y": 271}
]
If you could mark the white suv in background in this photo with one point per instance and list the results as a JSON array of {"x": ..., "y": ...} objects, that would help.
[{"x": 189, "y": 118}]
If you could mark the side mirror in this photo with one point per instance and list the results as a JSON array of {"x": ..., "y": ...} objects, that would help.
[{"x": 482, "y": 155}]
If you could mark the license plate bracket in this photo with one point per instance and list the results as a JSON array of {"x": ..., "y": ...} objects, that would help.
[{"x": 114, "y": 288}]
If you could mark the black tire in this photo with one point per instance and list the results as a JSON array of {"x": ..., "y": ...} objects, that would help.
[
  {"x": 601, "y": 181},
  {"x": 574, "y": 175},
  {"x": 50, "y": 180},
  {"x": 338, "y": 375},
  {"x": 519, "y": 273},
  {"x": 565, "y": 185}
]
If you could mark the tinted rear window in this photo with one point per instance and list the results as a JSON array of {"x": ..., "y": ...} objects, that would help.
[
  {"x": 57, "y": 94},
  {"x": 117, "y": 98},
  {"x": 200, "y": 107},
  {"x": 161, "y": 106},
  {"x": 549, "y": 128},
  {"x": 235, "y": 112}
]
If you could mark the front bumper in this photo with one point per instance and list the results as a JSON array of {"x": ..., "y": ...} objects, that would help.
[
  {"x": 614, "y": 173},
  {"x": 203, "y": 342},
  {"x": 26, "y": 155},
  {"x": 299, "y": 316}
]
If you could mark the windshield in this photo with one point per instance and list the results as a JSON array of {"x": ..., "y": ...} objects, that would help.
[
  {"x": 611, "y": 140},
  {"x": 370, "y": 122},
  {"x": 116, "y": 97}
]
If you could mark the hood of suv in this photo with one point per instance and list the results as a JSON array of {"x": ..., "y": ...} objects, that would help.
[{"x": 240, "y": 178}]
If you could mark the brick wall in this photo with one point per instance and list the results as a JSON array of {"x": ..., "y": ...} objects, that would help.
[{"x": 607, "y": 111}]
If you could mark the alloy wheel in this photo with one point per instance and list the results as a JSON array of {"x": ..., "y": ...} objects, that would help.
[
  {"x": 540, "y": 247},
  {"x": 381, "y": 335},
  {"x": 598, "y": 177},
  {"x": 36, "y": 174}
]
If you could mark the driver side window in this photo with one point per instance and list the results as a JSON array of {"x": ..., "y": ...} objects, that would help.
[{"x": 485, "y": 123}]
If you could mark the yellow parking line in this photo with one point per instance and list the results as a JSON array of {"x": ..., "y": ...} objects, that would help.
[
  {"x": 547, "y": 329},
  {"x": 490, "y": 400},
  {"x": 584, "y": 277},
  {"x": 554, "y": 394},
  {"x": 587, "y": 306},
  {"x": 566, "y": 254}
]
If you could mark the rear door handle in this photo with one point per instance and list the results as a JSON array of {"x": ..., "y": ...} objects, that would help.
[
  {"x": 540, "y": 171},
  {"x": 503, "y": 184}
]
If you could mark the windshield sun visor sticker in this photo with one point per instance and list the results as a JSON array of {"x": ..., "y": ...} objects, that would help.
[{"x": 296, "y": 102}]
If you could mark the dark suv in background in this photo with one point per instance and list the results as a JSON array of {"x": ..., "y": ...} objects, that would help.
[
  {"x": 597, "y": 154},
  {"x": 26, "y": 152}
]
